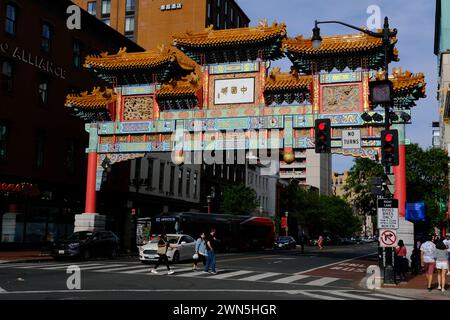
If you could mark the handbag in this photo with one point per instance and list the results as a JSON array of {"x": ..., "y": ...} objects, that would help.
[
  {"x": 195, "y": 256},
  {"x": 162, "y": 249}
]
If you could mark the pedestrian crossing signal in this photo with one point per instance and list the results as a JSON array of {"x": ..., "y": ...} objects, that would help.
[
  {"x": 389, "y": 148},
  {"x": 323, "y": 136}
]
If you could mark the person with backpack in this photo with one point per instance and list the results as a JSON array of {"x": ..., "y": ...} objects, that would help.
[
  {"x": 200, "y": 251},
  {"x": 163, "y": 246}
]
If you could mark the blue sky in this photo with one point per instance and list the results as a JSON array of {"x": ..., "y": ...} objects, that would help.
[{"x": 414, "y": 20}]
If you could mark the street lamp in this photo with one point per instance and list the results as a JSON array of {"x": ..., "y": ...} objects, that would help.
[{"x": 381, "y": 93}]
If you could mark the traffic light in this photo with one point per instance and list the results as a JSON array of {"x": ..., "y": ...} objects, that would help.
[
  {"x": 389, "y": 147},
  {"x": 323, "y": 135}
]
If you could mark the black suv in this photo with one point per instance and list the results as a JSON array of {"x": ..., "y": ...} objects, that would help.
[{"x": 86, "y": 244}]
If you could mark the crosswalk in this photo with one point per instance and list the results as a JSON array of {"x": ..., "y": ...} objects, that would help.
[
  {"x": 323, "y": 288},
  {"x": 183, "y": 271}
]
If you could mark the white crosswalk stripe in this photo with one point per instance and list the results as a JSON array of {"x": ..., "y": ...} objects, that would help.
[
  {"x": 389, "y": 297},
  {"x": 40, "y": 265},
  {"x": 73, "y": 264},
  {"x": 101, "y": 267},
  {"x": 321, "y": 281},
  {"x": 196, "y": 274},
  {"x": 319, "y": 295},
  {"x": 352, "y": 296},
  {"x": 230, "y": 274},
  {"x": 260, "y": 276},
  {"x": 109, "y": 269},
  {"x": 290, "y": 279}
]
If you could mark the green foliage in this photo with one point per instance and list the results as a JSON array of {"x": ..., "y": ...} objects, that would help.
[
  {"x": 427, "y": 180},
  {"x": 358, "y": 187},
  {"x": 239, "y": 199},
  {"x": 320, "y": 213}
]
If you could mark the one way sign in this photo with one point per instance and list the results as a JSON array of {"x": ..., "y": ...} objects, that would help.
[{"x": 388, "y": 238}]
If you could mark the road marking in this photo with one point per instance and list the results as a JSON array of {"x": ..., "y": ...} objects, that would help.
[
  {"x": 142, "y": 270},
  {"x": 2, "y": 290},
  {"x": 389, "y": 297},
  {"x": 352, "y": 296},
  {"x": 230, "y": 274},
  {"x": 119, "y": 269},
  {"x": 280, "y": 258},
  {"x": 32, "y": 266},
  {"x": 332, "y": 264},
  {"x": 290, "y": 279},
  {"x": 74, "y": 264},
  {"x": 101, "y": 267},
  {"x": 321, "y": 281},
  {"x": 260, "y": 276},
  {"x": 246, "y": 258},
  {"x": 320, "y": 297},
  {"x": 196, "y": 274}
]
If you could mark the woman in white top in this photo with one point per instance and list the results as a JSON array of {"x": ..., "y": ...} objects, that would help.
[
  {"x": 428, "y": 255},
  {"x": 441, "y": 264}
]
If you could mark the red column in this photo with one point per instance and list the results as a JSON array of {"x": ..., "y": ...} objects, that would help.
[
  {"x": 400, "y": 180},
  {"x": 91, "y": 193}
]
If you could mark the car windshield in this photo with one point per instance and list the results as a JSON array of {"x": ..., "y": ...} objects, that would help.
[
  {"x": 284, "y": 238},
  {"x": 82, "y": 235}
]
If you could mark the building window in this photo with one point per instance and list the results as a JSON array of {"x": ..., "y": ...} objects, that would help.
[
  {"x": 161, "y": 176},
  {"x": 46, "y": 36},
  {"x": 106, "y": 7},
  {"x": 172, "y": 179},
  {"x": 107, "y": 21},
  {"x": 129, "y": 25},
  {"x": 77, "y": 53},
  {"x": 188, "y": 183},
  {"x": 218, "y": 20},
  {"x": 225, "y": 4},
  {"x": 7, "y": 76},
  {"x": 232, "y": 15},
  {"x": 209, "y": 10},
  {"x": 70, "y": 155},
  {"x": 40, "y": 148},
  {"x": 3, "y": 139},
  {"x": 195, "y": 184},
  {"x": 92, "y": 7},
  {"x": 43, "y": 91},
  {"x": 130, "y": 6},
  {"x": 150, "y": 173},
  {"x": 218, "y": 4},
  {"x": 180, "y": 182},
  {"x": 11, "y": 19}
]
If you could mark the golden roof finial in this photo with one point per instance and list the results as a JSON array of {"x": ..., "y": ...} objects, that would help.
[
  {"x": 263, "y": 23},
  {"x": 122, "y": 50},
  {"x": 209, "y": 29},
  {"x": 161, "y": 48},
  {"x": 104, "y": 54}
]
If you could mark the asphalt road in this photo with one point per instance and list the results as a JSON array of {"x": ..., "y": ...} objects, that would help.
[{"x": 265, "y": 275}]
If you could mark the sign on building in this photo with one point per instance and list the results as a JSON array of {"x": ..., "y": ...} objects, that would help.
[
  {"x": 387, "y": 213},
  {"x": 351, "y": 139},
  {"x": 234, "y": 91}
]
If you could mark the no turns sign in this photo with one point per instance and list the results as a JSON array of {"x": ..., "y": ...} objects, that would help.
[{"x": 388, "y": 238}]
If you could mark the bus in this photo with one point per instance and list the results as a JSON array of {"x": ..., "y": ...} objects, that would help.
[{"x": 242, "y": 232}]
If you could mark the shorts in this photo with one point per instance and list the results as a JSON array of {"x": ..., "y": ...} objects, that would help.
[
  {"x": 429, "y": 267},
  {"x": 442, "y": 265}
]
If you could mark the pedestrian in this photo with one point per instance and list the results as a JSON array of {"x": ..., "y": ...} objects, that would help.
[
  {"x": 211, "y": 247},
  {"x": 415, "y": 258},
  {"x": 401, "y": 262},
  {"x": 447, "y": 244},
  {"x": 441, "y": 264},
  {"x": 320, "y": 242},
  {"x": 200, "y": 251},
  {"x": 428, "y": 258},
  {"x": 301, "y": 239},
  {"x": 163, "y": 246}
]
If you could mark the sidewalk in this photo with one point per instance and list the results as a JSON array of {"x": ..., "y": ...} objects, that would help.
[{"x": 22, "y": 256}]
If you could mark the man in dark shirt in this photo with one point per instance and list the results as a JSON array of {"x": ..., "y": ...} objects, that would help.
[{"x": 211, "y": 247}]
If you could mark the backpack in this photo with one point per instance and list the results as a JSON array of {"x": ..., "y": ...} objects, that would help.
[{"x": 162, "y": 247}]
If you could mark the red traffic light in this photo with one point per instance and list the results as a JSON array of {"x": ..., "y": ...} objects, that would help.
[
  {"x": 388, "y": 137},
  {"x": 322, "y": 126}
]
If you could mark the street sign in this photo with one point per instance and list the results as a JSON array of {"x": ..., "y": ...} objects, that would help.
[
  {"x": 351, "y": 139},
  {"x": 388, "y": 238},
  {"x": 415, "y": 211},
  {"x": 387, "y": 213}
]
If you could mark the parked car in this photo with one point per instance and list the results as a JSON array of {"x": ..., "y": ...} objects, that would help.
[
  {"x": 356, "y": 240},
  {"x": 285, "y": 242},
  {"x": 184, "y": 251},
  {"x": 86, "y": 244}
]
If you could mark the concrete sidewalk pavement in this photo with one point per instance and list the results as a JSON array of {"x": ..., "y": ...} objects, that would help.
[{"x": 23, "y": 256}]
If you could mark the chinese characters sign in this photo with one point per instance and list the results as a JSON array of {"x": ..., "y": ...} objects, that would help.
[{"x": 234, "y": 91}]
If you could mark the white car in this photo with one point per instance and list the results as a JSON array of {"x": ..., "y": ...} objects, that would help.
[{"x": 184, "y": 251}]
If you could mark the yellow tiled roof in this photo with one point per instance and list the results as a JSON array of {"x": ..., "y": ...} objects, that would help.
[
  {"x": 125, "y": 60},
  {"x": 186, "y": 86},
  {"x": 95, "y": 100},
  {"x": 287, "y": 81},
  {"x": 350, "y": 43},
  {"x": 405, "y": 80},
  {"x": 238, "y": 36}
]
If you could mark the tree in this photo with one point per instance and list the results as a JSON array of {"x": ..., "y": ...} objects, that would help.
[
  {"x": 358, "y": 186},
  {"x": 239, "y": 199},
  {"x": 427, "y": 181}
]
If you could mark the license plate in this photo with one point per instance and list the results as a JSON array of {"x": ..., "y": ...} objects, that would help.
[{"x": 61, "y": 251}]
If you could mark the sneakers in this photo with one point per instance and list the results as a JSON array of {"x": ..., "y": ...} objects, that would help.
[
  {"x": 213, "y": 272},
  {"x": 439, "y": 287},
  {"x": 170, "y": 272},
  {"x": 154, "y": 271},
  {"x": 443, "y": 289},
  {"x": 205, "y": 271}
]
